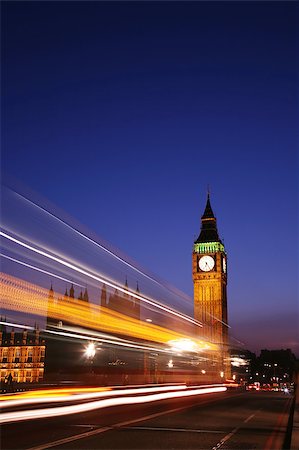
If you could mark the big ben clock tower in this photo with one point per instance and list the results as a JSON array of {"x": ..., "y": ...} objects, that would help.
[{"x": 209, "y": 270}]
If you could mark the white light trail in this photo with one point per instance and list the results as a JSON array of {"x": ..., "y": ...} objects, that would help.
[
  {"x": 185, "y": 345},
  {"x": 102, "y": 247},
  {"x": 74, "y": 397},
  {"x": 114, "y": 341},
  {"x": 40, "y": 270},
  {"x": 17, "y": 416},
  {"x": 16, "y": 325},
  {"x": 99, "y": 279}
]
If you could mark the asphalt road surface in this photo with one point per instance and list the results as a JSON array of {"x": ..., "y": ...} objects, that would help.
[{"x": 229, "y": 420}]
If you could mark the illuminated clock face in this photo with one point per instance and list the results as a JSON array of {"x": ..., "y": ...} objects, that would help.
[
  {"x": 224, "y": 265},
  {"x": 206, "y": 263}
]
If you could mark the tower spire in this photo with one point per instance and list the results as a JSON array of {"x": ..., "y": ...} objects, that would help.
[
  {"x": 208, "y": 212},
  {"x": 208, "y": 232},
  {"x": 72, "y": 291}
]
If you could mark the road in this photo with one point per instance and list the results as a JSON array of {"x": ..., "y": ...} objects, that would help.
[{"x": 227, "y": 420}]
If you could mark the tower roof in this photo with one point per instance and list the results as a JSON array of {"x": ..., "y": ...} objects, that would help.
[
  {"x": 208, "y": 212},
  {"x": 208, "y": 232},
  {"x": 72, "y": 291},
  {"x": 51, "y": 292}
]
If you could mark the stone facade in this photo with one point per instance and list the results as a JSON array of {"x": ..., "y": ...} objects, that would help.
[{"x": 22, "y": 355}]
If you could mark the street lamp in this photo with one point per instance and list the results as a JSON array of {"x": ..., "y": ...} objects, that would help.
[{"x": 90, "y": 350}]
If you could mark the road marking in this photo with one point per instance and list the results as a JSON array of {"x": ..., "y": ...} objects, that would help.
[
  {"x": 249, "y": 418},
  {"x": 186, "y": 430},
  {"x": 70, "y": 439},
  {"x": 121, "y": 424},
  {"x": 229, "y": 435}
]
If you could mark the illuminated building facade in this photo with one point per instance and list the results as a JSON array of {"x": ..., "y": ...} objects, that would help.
[
  {"x": 22, "y": 355},
  {"x": 209, "y": 270}
]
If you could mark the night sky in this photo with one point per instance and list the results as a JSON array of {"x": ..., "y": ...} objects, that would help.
[{"x": 122, "y": 114}]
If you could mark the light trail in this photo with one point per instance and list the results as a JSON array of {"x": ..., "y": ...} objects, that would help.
[
  {"x": 40, "y": 270},
  {"x": 119, "y": 342},
  {"x": 17, "y": 325},
  {"x": 122, "y": 260},
  {"x": 25, "y": 297},
  {"x": 94, "y": 242},
  {"x": 67, "y": 395},
  {"x": 18, "y": 416},
  {"x": 99, "y": 279}
]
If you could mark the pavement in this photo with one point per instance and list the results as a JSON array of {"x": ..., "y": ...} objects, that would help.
[{"x": 295, "y": 429}]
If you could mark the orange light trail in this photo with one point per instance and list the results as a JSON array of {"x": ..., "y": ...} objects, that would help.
[{"x": 21, "y": 296}]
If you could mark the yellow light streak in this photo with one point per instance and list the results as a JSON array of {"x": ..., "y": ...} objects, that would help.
[
  {"x": 18, "y": 295},
  {"x": 51, "y": 392},
  {"x": 99, "y": 279},
  {"x": 71, "y": 394}
]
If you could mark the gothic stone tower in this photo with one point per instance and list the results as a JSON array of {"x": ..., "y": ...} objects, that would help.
[{"x": 210, "y": 279}]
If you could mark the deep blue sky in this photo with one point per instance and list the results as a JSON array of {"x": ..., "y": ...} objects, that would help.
[{"x": 122, "y": 114}]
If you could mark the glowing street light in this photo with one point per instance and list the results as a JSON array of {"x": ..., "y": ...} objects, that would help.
[
  {"x": 183, "y": 345},
  {"x": 90, "y": 350}
]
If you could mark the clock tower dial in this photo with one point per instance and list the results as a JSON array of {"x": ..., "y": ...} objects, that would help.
[
  {"x": 224, "y": 264},
  {"x": 206, "y": 263}
]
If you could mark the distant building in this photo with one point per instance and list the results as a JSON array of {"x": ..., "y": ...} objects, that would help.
[
  {"x": 22, "y": 356},
  {"x": 123, "y": 303},
  {"x": 275, "y": 366},
  {"x": 243, "y": 363}
]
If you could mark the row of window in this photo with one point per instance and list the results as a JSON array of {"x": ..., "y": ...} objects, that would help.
[
  {"x": 22, "y": 376},
  {"x": 17, "y": 350},
  {"x": 17, "y": 359}
]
